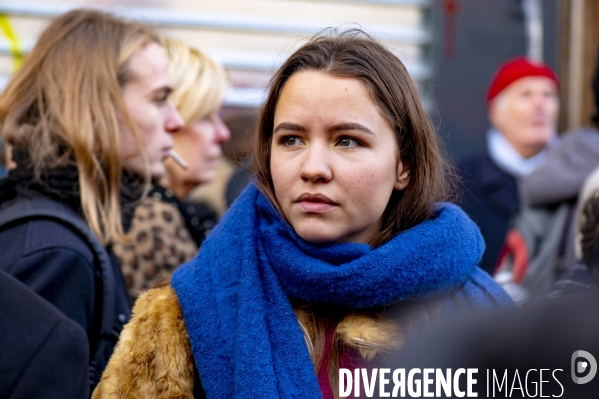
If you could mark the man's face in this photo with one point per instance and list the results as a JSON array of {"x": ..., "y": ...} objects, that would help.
[
  {"x": 147, "y": 99},
  {"x": 526, "y": 114}
]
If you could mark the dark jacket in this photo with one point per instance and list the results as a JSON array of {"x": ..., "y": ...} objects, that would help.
[
  {"x": 576, "y": 280},
  {"x": 490, "y": 197},
  {"x": 44, "y": 354},
  {"x": 544, "y": 334},
  {"x": 54, "y": 262}
]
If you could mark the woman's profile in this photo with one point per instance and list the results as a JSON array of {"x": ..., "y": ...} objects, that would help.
[
  {"x": 167, "y": 230},
  {"x": 314, "y": 267},
  {"x": 89, "y": 119}
]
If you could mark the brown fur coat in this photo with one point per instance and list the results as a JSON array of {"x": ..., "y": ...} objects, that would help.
[{"x": 153, "y": 357}]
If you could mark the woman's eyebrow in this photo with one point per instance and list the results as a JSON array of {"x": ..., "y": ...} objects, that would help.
[
  {"x": 350, "y": 126},
  {"x": 289, "y": 126}
]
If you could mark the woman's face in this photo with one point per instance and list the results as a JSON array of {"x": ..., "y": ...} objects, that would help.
[
  {"x": 334, "y": 159},
  {"x": 152, "y": 112},
  {"x": 199, "y": 144}
]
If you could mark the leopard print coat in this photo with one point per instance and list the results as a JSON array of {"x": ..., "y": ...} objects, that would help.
[{"x": 159, "y": 243}]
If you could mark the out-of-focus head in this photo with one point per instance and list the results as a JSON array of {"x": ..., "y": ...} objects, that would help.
[
  {"x": 199, "y": 86},
  {"x": 74, "y": 101},
  {"x": 344, "y": 119},
  {"x": 523, "y": 104}
]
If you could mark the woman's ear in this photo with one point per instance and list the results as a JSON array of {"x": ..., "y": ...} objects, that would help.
[{"x": 403, "y": 176}]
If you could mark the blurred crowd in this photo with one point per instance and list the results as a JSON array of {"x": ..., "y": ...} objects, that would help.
[{"x": 118, "y": 164}]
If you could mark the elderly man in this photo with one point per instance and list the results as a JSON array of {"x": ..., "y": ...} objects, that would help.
[{"x": 522, "y": 104}]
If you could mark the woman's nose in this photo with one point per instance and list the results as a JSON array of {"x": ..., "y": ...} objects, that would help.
[
  {"x": 222, "y": 132},
  {"x": 316, "y": 166},
  {"x": 173, "y": 121}
]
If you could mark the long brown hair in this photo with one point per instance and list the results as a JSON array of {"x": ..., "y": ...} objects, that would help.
[
  {"x": 354, "y": 54},
  {"x": 63, "y": 102}
]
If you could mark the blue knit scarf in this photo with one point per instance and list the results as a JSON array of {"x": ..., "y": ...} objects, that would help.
[{"x": 234, "y": 295}]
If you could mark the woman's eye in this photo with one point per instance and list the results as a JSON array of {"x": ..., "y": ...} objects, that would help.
[
  {"x": 291, "y": 141},
  {"x": 347, "y": 142}
]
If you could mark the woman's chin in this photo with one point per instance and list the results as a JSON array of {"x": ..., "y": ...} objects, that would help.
[{"x": 317, "y": 236}]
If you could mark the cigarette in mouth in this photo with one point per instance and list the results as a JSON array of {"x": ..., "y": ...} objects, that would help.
[{"x": 177, "y": 158}]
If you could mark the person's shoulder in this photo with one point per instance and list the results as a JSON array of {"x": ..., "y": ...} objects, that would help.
[
  {"x": 481, "y": 291},
  {"x": 472, "y": 161},
  {"x": 583, "y": 134},
  {"x": 156, "y": 338},
  {"x": 156, "y": 310},
  {"x": 572, "y": 144},
  {"x": 473, "y": 169},
  {"x": 44, "y": 234},
  {"x": 158, "y": 302}
]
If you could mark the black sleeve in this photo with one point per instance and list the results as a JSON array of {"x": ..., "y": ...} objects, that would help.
[
  {"x": 43, "y": 354},
  {"x": 62, "y": 276},
  {"x": 59, "y": 368}
]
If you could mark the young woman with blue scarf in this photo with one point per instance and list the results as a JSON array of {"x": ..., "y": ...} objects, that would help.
[{"x": 328, "y": 259}]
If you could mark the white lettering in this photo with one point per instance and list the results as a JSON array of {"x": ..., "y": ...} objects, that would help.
[
  {"x": 516, "y": 377},
  {"x": 443, "y": 382},
  {"x": 560, "y": 384},
  {"x": 503, "y": 381},
  {"x": 471, "y": 382},
  {"x": 426, "y": 381},
  {"x": 357, "y": 383},
  {"x": 456, "y": 383},
  {"x": 541, "y": 384},
  {"x": 345, "y": 389},
  {"x": 534, "y": 383},
  {"x": 369, "y": 385},
  {"x": 382, "y": 382},
  {"x": 399, "y": 383},
  {"x": 413, "y": 393}
]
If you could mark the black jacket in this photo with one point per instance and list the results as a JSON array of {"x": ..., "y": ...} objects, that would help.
[
  {"x": 44, "y": 354},
  {"x": 544, "y": 334},
  {"x": 54, "y": 262},
  {"x": 490, "y": 198}
]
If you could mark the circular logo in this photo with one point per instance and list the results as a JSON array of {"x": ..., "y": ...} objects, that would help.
[{"x": 589, "y": 364}]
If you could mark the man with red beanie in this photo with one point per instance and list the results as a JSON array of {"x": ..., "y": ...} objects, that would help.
[
  {"x": 522, "y": 104},
  {"x": 541, "y": 245}
]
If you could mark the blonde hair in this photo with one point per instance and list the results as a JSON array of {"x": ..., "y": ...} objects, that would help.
[
  {"x": 199, "y": 82},
  {"x": 63, "y": 102}
]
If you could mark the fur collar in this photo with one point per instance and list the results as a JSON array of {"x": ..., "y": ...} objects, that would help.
[{"x": 153, "y": 356}]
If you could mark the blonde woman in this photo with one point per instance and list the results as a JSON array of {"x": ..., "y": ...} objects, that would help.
[
  {"x": 89, "y": 118},
  {"x": 167, "y": 230}
]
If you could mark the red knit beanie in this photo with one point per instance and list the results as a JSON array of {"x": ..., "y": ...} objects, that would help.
[{"x": 515, "y": 69}]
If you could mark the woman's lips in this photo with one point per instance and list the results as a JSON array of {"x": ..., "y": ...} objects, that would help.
[
  {"x": 315, "y": 207},
  {"x": 315, "y": 203}
]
